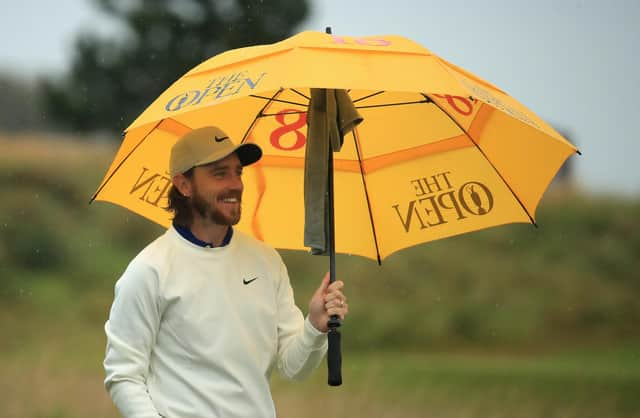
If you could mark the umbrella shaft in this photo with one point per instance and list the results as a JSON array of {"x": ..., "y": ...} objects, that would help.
[
  {"x": 331, "y": 244},
  {"x": 334, "y": 321}
]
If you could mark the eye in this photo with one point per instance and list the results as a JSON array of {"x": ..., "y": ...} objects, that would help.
[{"x": 219, "y": 174}]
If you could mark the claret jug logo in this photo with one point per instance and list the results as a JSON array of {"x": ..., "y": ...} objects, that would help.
[
  {"x": 215, "y": 89},
  {"x": 439, "y": 200}
]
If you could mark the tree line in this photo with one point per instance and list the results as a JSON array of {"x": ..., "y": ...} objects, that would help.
[{"x": 111, "y": 80}]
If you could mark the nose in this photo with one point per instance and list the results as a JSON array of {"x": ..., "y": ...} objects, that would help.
[{"x": 236, "y": 182}]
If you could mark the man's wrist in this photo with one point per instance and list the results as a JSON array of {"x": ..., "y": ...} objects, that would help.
[{"x": 313, "y": 337}]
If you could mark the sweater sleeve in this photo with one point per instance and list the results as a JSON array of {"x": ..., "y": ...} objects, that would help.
[
  {"x": 301, "y": 346},
  {"x": 131, "y": 331}
]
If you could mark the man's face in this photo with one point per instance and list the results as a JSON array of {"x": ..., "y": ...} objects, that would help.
[{"x": 217, "y": 191}]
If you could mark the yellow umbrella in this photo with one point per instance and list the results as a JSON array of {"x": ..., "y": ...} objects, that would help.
[{"x": 440, "y": 151}]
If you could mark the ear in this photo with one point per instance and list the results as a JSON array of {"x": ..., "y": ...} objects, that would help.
[{"x": 183, "y": 184}]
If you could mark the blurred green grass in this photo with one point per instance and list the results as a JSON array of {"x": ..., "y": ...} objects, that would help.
[
  {"x": 513, "y": 321},
  {"x": 573, "y": 383}
]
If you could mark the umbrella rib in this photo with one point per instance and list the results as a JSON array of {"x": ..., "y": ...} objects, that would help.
[
  {"x": 103, "y": 185},
  {"x": 368, "y": 96},
  {"x": 282, "y": 113},
  {"x": 272, "y": 99},
  {"x": 300, "y": 94},
  {"x": 533, "y": 222},
  {"x": 366, "y": 193},
  {"x": 394, "y": 104},
  {"x": 260, "y": 113}
]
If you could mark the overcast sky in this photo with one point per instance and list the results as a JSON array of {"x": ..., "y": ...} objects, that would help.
[{"x": 576, "y": 63}]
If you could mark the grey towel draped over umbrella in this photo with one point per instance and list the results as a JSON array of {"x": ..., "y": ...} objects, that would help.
[{"x": 331, "y": 115}]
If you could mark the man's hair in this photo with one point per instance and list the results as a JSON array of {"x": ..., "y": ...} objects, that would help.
[{"x": 180, "y": 204}]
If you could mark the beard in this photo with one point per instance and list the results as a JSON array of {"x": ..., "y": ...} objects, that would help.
[{"x": 211, "y": 212}]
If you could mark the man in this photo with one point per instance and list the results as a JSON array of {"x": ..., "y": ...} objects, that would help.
[{"x": 204, "y": 313}]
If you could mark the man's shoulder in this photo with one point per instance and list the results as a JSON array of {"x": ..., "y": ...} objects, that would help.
[
  {"x": 143, "y": 270},
  {"x": 154, "y": 252}
]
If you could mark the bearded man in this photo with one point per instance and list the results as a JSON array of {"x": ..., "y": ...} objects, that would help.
[{"x": 204, "y": 313}]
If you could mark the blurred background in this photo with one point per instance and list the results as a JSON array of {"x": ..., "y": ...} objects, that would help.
[{"x": 514, "y": 321}]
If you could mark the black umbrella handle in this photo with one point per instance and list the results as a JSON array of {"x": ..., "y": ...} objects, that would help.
[
  {"x": 334, "y": 358},
  {"x": 334, "y": 355}
]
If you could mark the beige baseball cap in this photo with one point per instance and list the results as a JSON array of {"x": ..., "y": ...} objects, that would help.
[{"x": 206, "y": 145}]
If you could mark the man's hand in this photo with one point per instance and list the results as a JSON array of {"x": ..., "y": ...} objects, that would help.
[{"x": 328, "y": 300}]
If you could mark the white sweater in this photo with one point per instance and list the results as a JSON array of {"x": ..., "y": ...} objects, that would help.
[{"x": 187, "y": 338}]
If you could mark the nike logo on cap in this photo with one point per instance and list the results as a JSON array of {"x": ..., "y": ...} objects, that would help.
[
  {"x": 220, "y": 139},
  {"x": 245, "y": 281}
]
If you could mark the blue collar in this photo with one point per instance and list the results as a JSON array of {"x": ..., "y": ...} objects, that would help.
[{"x": 188, "y": 235}]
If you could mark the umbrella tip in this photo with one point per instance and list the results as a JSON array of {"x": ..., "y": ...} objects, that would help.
[{"x": 328, "y": 30}]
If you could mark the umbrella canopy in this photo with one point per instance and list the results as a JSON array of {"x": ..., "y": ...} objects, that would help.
[{"x": 440, "y": 151}]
